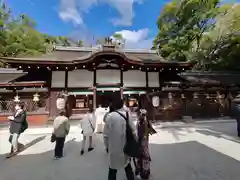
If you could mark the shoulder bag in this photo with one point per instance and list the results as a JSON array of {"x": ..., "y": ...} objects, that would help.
[{"x": 132, "y": 147}]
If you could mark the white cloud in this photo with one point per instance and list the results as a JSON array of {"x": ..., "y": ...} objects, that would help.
[
  {"x": 73, "y": 10},
  {"x": 136, "y": 39}
]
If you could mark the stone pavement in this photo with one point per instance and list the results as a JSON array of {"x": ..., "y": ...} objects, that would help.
[{"x": 197, "y": 152}]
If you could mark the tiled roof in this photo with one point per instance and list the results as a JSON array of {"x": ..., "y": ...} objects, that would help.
[
  {"x": 9, "y": 74},
  {"x": 223, "y": 78},
  {"x": 69, "y": 54}
]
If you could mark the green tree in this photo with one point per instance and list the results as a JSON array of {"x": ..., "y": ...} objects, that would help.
[
  {"x": 182, "y": 24},
  {"x": 119, "y": 40},
  {"x": 220, "y": 49}
]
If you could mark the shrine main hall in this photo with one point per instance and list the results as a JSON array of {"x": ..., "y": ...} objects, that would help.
[{"x": 89, "y": 76}]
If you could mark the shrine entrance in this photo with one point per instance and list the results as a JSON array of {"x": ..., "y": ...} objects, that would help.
[{"x": 104, "y": 96}]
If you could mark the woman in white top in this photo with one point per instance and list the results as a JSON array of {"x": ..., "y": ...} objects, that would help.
[
  {"x": 88, "y": 127},
  {"x": 100, "y": 113}
]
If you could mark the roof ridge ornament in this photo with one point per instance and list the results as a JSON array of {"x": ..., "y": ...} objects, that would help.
[{"x": 108, "y": 44}]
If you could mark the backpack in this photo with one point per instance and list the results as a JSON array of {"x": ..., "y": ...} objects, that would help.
[
  {"x": 24, "y": 123},
  {"x": 132, "y": 146}
]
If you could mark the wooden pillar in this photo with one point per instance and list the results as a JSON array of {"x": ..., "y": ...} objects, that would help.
[
  {"x": 94, "y": 98},
  {"x": 121, "y": 84},
  {"x": 53, "y": 99},
  {"x": 66, "y": 80},
  {"x": 94, "y": 90},
  {"x": 159, "y": 81},
  {"x": 147, "y": 85}
]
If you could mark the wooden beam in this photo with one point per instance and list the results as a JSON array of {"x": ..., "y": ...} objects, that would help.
[
  {"x": 66, "y": 80},
  {"x": 147, "y": 79}
]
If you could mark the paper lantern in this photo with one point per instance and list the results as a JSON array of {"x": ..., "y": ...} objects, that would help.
[
  {"x": 60, "y": 103},
  {"x": 195, "y": 95},
  {"x": 155, "y": 101}
]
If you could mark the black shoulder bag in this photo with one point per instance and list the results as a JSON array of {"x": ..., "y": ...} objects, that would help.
[{"x": 132, "y": 147}]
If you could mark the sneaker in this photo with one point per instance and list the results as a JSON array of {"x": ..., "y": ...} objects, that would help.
[
  {"x": 81, "y": 152},
  {"x": 138, "y": 177},
  {"x": 90, "y": 149},
  {"x": 56, "y": 158}
]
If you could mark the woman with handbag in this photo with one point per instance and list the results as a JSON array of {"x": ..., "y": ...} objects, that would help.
[
  {"x": 88, "y": 128},
  {"x": 144, "y": 128}
]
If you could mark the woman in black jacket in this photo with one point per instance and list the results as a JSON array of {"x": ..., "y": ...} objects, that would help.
[
  {"x": 18, "y": 124},
  {"x": 236, "y": 112}
]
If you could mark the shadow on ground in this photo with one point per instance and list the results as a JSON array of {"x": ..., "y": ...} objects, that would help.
[{"x": 181, "y": 161}]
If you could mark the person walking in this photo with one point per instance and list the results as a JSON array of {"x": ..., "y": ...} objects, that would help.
[
  {"x": 105, "y": 139},
  {"x": 61, "y": 129},
  {"x": 17, "y": 126},
  {"x": 144, "y": 128},
  {"x": 115, "y": 131},
  {"x": 236, "y": 112},
  {"x": 88, "y": 127}
]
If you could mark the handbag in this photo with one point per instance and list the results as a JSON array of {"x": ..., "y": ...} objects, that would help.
[
  {"x": 132, "y": 146},
  {"x": 53, "y": 138}
]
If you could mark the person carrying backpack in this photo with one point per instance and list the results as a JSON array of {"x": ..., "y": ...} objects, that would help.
[{"x": 117, "y": 123}]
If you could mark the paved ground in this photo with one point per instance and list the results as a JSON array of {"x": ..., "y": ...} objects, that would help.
[{"x": 199, "y": 152}]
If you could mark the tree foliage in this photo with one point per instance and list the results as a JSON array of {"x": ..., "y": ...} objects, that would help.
[
  {"x": 203, "y": 31},
  {"x": 19, "y": 36}
]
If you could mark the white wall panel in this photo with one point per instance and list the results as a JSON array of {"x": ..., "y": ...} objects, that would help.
[
  {"x": 134, "y": 78},
  {"x": 153, "y": 79},
  {"x": 58, "y": 79},
  {"x": 108, "y": 76},
  {"x": 80, "y": 78}
]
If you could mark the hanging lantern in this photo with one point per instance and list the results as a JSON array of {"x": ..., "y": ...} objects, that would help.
[
  {"x": 155, "y": 101},
  {"x": 230, "y": 96},
  {"x": 16, "y": 98},
  {"x": 195, "y": 95},
  {"x": 60, "y": 103},
  {"x": 36, "y": 97},
  {"x": 207, "y": 96},
  {"x": 170, "y": 95}
]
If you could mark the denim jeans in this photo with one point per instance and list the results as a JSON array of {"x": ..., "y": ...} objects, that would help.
[{"x": 14, "y": 141}]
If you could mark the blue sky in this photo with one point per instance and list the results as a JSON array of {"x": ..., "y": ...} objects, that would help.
[{"x": 85, "y": 19}]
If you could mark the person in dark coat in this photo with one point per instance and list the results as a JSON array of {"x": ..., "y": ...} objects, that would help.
[
  {"x": 236, "y": 112},
  {"x": 18, "y": 124}
]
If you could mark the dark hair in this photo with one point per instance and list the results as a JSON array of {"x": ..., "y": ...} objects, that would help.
[
  {"x": 21, "y": 105},
  {"x": 62, "y": 113},
  {"x": 117, "y": 103}
]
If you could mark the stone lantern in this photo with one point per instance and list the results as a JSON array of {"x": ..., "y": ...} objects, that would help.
[
  {"x": 16, "y": 99},
  {"x": 36, "y": 97}
]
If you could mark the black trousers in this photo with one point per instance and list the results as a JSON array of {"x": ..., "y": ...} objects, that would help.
[
  {"x": 238, "y": 127},
  {"x": 112, "y": 173},
  {"x": 59, "y": 146}
]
